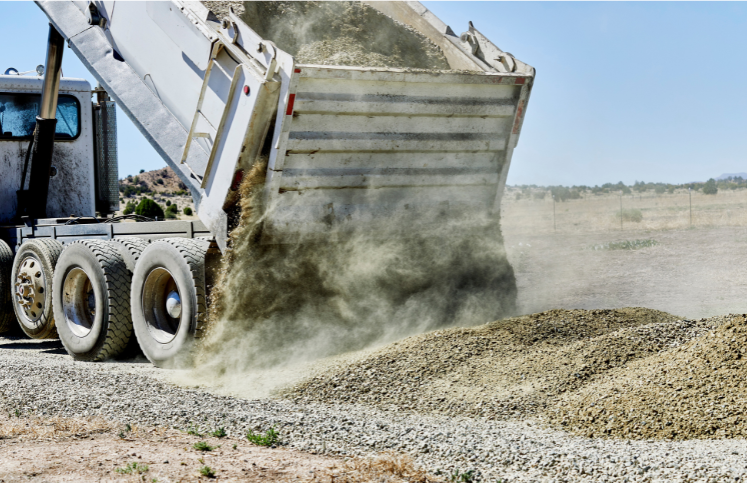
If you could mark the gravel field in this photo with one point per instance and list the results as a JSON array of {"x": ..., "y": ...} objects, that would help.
[{"x": 36, "y": 378}]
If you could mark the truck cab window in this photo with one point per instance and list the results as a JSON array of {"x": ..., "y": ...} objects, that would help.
[{"x": 18, "y": 116}]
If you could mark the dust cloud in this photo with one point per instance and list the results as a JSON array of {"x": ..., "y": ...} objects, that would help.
[{"x": 277, "y": 307}]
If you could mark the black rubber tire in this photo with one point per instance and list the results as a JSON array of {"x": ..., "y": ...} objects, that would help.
[
  {"x": 46, "y": 251},
  {"x": 111, "y": 326},
  {"x": 184, "y": 259},
  {"x": 7, "y": 315},
  {"x": 130, "y": 248}
]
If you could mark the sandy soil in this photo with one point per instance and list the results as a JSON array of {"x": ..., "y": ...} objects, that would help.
[
  {"x": 691, "y": 273},
  {"x": 91, "y": 451}
]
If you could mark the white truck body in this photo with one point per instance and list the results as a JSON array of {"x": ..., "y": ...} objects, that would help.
[
  {"x": 71, "y": 189},
  {"x": 349, "y": 145}
]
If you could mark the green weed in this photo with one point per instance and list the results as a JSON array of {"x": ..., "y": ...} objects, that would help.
[
  {"x": 203, "y": 446},
  {"x": 270, "y": 438},
  {"x": 131, "y": 468},
  {"x": 219, "y": 433},
  {"x": 207, "y": 471},
  {"x": 126, "y": 429}
]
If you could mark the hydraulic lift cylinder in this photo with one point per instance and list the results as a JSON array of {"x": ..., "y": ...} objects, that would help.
[{"x": 33, "y": 202}]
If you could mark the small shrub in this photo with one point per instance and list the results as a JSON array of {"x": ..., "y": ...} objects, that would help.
[
  {"x": 151, "y": 209},
  {"x": 270, "y": 438},
  {"x": 625, "y": 245},
  {"x": 219, "y": 433},
  {"x": 136, "y": 180},
  {"x": 159, "y": 181},
  {"x": 193, "y": 431},
  {"x": 188, "y": 211},
  {"x": 142, "y": 171},
  {"x": 630, "y": 215},
  {"x": 170, "y": 215},
  {"x": 207, "y": 471},
  {"x": 539, "y": 195},
  {"x": 132, "y": 468},
  {"x": 172, "y": 207},
  {"x": 203, "y": 446},
  {"x": 168, "y": 202},
  {"x": 129, "y": 208}
]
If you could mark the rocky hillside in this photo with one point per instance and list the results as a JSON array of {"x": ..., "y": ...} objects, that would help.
[{"x": 162, "y": 180}]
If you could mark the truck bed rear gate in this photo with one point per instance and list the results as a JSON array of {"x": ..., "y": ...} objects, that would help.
[{"x": 362, "y": 145}]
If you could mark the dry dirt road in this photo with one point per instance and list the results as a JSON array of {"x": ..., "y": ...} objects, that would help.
[{"x": 691, "y": 273}]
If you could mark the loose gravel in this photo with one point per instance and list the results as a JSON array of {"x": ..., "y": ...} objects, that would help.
[
  {"x": 512, "y": 368},
  {"x": 36, "y": 379},
  {"x": 697, "y": 390}
]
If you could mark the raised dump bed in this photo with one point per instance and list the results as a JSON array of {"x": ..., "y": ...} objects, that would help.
[{"x": 358, "y": 145}]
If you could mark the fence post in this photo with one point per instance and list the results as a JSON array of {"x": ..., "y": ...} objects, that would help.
[
  {"x": 554, "y": 226},
  {"x": 690, "y": 192}
]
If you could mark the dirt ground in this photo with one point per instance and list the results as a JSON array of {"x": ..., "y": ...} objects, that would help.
[
  {"x": 692, "y": 273},
  {"x": 96, "y": 450}
]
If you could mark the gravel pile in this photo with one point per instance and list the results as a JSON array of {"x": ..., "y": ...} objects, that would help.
[
  {"x": 337, "y": 33},
  {"x": 697, "y": 390},
  {"x": 511, "y": 368},
  {"x": 35, "y": 379}
]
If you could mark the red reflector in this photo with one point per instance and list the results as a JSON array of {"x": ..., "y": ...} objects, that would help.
[
  {"x": 246, "y": 90},
  {"x": 291, "y": 100},
  {"x": 297, "y": 71},
  {"x": 520, "y": 80},
  {"x": 237, "y": 177}
]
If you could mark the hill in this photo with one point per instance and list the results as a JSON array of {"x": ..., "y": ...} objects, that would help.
[{"x": 162, "y": 180}]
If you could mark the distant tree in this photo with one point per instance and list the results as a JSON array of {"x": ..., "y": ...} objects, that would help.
[
  {"x": 129, "y": 208},
  {"x": 142, "y": 171},
  {"x": 562, "y": 193},
  {"x": 188, "y": 211},
  {"x": 709, "y": 188},
  {"x": 151, "y": 209},
  {"x": 660, "y": 189}
]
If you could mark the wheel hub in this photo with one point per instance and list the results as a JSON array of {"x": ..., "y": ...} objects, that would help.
[
  {"x": 174, "y": 305},
  {"x": 78, "y": 302},
  {"x": 30, "y": 284}
]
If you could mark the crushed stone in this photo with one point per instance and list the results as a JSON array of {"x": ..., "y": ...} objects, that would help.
[
  {"x": 337, "y": 33},
  {"x": 512, "y": 368},
  {"x": 696, "y": 391}
]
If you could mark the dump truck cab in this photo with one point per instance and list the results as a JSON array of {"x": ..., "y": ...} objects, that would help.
[{"x": 72, "y": 181}]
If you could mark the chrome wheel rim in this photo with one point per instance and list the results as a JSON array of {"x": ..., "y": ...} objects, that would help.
[
  {"x": 162, "y": 305},
  {"x": 78, "y": 302},
  {"x": 31, "y": 288}
]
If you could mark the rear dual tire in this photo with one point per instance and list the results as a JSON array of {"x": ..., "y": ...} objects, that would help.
[
  {"x": 169, "y": 306},
  {"x": 91, "y": 299}
]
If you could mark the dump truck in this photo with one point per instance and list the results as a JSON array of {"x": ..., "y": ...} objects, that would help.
[{"x": 356, "y": 145}]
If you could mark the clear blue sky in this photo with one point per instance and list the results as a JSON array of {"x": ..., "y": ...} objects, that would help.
[{"x": 624, "y": 91}]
